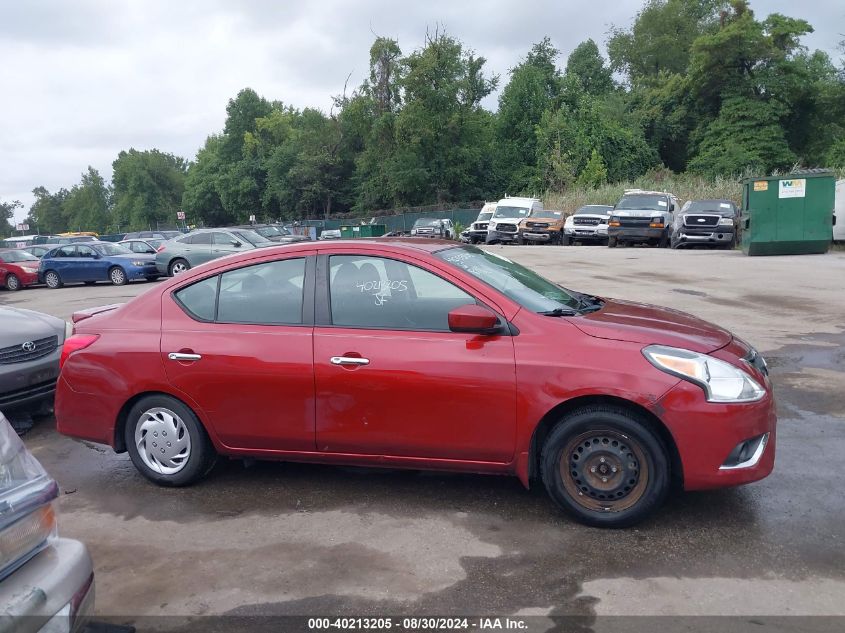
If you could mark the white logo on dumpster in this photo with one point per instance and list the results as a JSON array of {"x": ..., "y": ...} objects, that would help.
[{"x": 791, "y": 188}]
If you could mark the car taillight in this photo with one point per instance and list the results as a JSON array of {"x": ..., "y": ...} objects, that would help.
[
  {"x": 160, "y": 248},
  {"x": 74, "y": 344}
]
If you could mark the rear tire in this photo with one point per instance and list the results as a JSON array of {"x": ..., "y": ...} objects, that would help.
[
  {"x": 178, "y": 266},
  {"x": 52, "y": 280},
  {"x": 605, "y": 467},
  {"x": 117, "y": 276},
  {"x": 167, "y": 443},
  {"x": 13, "y": 283},
  {"x": 611, "y": 242}
]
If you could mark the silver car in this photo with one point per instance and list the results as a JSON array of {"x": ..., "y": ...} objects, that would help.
[
  {"x": 30, "y": 345},
  {"x": 46, "y": 582}
]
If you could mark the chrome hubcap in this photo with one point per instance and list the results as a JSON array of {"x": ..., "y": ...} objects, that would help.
[
  {"x": 179, "y": 267},
  {"x": 117, "y": 276},
  {"x": 163, "y": 441},
  {"x": 52, "y": 279},
  {"x": 12, "y": 283}
]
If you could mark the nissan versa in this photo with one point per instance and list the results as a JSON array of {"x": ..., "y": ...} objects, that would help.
[{"x": 330, "y": 351}]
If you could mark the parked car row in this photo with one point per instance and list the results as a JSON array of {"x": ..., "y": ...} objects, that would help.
[{"x": 653, "y": 218}]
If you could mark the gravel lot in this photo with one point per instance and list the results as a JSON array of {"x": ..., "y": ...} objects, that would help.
[{"x": 303, "y": 539}]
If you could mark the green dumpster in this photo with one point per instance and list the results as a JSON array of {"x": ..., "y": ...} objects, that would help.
[
  {"x": 363, "y": 230},
  {"x": 788, "y": 215}
]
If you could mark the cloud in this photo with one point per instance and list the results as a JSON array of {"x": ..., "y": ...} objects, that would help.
[{"x": 86, "y": 79}]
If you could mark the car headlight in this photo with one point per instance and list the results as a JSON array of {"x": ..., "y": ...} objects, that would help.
[
  {"x": 68, "y": 330},
  {"x": 726, "y": 222},
  {"x": 721, "y": 381},
  {"x": 569, "y": 222}
]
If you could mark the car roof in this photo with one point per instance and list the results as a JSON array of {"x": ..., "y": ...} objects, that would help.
[{"x": 719, "y": 200}]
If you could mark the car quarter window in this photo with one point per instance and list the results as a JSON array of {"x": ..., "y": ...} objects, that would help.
[
  {"x": 262, "y": 294},
  {"x": 376, "y": 292},
  {"x": 269, "y": 294}
]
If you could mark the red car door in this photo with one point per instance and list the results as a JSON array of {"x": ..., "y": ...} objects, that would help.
[
  {"x": 239, "y": 344},
  {"x": 391, "y": 379}
]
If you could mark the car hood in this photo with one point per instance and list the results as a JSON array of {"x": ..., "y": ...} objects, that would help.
[
  {"x": 638, "y": 213},
  {"x": 18, "y": 325},
  {"x": 652, "y": 325}
]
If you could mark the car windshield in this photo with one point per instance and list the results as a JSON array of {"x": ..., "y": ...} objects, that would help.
[
  {"x": 511, "y": 212},
  {"x": 251, "y": 237},
  {"x": 268, "y": 231},
  {"x": 513, "y": 280},
  {"x": 483, "y": 217},
  {"x": 643, "y": 201},
  {"x": 594, "y": 210},
  {"x": 427, "y": 222},
  {"x": 725, "y": 207},
  {"x": 17, "y": 256},
  {"x": 107, "y": 249}
]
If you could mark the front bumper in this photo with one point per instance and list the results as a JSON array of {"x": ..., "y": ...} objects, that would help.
[
  {"x": 576, "y": 233},
  {"x": 54, "y": 591},
  {"x": 706, "y": 433},
  {"x": 500, "y": 236},
  {"x": 28, "y": 278},
  {"x": 142, "y": 272},
  {"x": 28, "y": 386},
  {"x": 537, "y": 236},
  {"x": 634, "y": 234},
  {"x": 716, "y": 235}
]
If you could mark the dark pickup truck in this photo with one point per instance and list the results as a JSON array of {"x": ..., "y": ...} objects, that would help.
[{"x": 708, "y": 222}]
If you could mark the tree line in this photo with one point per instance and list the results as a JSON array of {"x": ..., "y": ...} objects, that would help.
[{"x": 691, "y": 85}]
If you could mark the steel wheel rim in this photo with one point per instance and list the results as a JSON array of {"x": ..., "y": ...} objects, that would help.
[
  {"x": 604, "y": 470},
  {"x": 13, "y": 283},
  {"x": 117, "y": 276},
  {"x": 52, "y": 279},
  {"x": 163, "y": 441},
  {"x": 179, "y": 267}
]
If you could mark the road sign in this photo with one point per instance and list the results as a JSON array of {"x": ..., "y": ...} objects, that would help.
[
  {"x": 252, "y": 218},
  {"x": 23, "y": 227},
  {"x": 180, "y": 215}
]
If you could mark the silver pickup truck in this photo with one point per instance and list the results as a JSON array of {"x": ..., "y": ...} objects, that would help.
[{"x": 642, "y": 217}]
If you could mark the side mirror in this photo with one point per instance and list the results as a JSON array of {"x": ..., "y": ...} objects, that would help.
[
  {"x": 236, "y": 243},
  {"x": 151, "y": 251},
  {"x": 475, "y": 319}
]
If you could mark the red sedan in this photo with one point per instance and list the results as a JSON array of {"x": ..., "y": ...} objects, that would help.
[
  {"x": 17, "y": 269},
  {"x": 419, "y": 354}
]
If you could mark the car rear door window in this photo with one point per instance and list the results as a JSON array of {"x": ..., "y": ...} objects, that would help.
[
  {"x": 222, "y": 239},
  {"x": 85, "y": 251},
  {"x": 376, "y": 292},
  {"x": 66, "y": 251},
  {"x": 269, "y": 294}
]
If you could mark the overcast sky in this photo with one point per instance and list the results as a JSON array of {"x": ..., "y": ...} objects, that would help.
[{"x": 83, "y": 79}]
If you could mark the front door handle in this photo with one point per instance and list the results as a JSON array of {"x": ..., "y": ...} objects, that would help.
[
  {"x": 181, "y": 356},
  {"x": 349, "y": 360}
]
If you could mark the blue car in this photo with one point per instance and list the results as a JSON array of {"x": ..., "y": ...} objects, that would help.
[{"x": 90, "y": 262}]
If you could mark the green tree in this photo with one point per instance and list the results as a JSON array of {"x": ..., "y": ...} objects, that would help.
[
  {"x": 47, "y": 212},
  {"x": 595, "y": 172},
  {"x": 148, "y": 188},
  {"x": 88, "y": 204},
  {"x": 587, "y": 64},
  {"x": 746, "y": 135},
  {"x": 201, "y": 199},
  {"x": 7, "y": 213},
  {"x": 532, "y": 89},
  {"x": 661, "y": 36}
]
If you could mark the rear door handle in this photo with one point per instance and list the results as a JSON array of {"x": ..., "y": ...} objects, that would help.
[
  {"x": 181, "y": 356},
  {"x": 349, "y": 360}
]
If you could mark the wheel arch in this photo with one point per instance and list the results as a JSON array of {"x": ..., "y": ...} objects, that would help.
[
  {"x": 119, "y": 441},
  {"x": 553, "y": 417}
]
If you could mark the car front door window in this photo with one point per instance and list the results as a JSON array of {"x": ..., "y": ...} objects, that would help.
[{"x": 375, "y": 292}]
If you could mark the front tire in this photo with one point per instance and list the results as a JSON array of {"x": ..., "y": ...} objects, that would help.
[
  {"x": 13, "y": 283},
  {"x": 167, "y": 443},
  {"x": 604, "y": 466},
  {"x": 117, "y": 276},
  {"x": 52, "y": 280},
  {"x": 611, "y": 242},
  {"x": 565, "y": 240}
]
